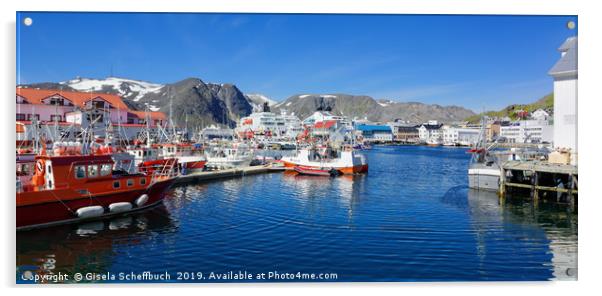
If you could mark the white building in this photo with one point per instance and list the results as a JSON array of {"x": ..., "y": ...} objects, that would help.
[
  {"x": 460, "y": 136},
  {"x": 564, "y": 73},
  {"x": 430, "y": 132},
  {"x": 540, "y": 114},
  {"x": 375, "y": 133},
  {"x": 528, "y": 131}
]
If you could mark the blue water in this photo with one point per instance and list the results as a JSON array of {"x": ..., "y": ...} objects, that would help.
[{"x": 411, "y": 218}]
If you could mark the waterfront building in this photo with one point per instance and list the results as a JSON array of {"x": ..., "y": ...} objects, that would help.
[
  {"x": 375, "y": 133},
  {"x": 58, "y": 112},
  {"x": 527, "y": 131},
  {"x": 52, "y": 105},
  {"x": 405, "y": 132},
  {"x": 565, "y": 77},
  {"x": 460, "y": 136},
  {"x": 430, "y": 131}
]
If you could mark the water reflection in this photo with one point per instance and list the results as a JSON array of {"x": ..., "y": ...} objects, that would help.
[
  {"x": 346, "y": 189},
  {"x": 88, "y": 247},
  {"x": 549, "y": 229}
]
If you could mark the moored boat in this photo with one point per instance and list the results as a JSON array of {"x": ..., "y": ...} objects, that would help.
[
  {"x": 347, "y": 160},
  {"x": 229, "y": 156},
  {"x": 190, "y": 156},
  {"x": 484, "y": 172},
  {"x": 313, "y": 171},
  {"x": 73, "y": 188}
]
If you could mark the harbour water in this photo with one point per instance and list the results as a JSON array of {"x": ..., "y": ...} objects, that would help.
[{"x": 411, "y": 218}]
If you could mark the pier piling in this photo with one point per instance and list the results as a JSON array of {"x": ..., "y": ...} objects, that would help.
[{"x": 540, "y": 178}]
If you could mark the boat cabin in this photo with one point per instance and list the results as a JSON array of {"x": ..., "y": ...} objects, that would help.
[{"x": 93, "y": 172}]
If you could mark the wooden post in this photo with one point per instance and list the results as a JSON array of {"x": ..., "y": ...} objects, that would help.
[
  {"x": 502, "y": 190},
  {"x": 570, "y": 192},
  {"x": 535, "y": 183}
]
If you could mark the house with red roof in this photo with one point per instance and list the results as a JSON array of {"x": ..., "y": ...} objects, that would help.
[{"x": 63, "y": 108}]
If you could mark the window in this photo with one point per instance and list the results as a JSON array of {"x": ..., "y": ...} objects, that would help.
[
  {"x": 21, "y": 117},
  {"x": 142, "y": 181},
  {"x": 130, "y": 182},
  {"x": 92, "y": 171},
  {"x": 31, "y": 116},
  {"x": 80, "y": 172},
  {"x": 57, "y": 101},
  {"x": 56, "y": 118},
  {"x": 99, "y": 104},
  {"x": 116, "y": 184},
  {"x": 105, "y": 169},
  {"x": 24, "y": 170}
]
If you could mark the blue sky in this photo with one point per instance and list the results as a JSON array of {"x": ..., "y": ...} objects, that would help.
[{"x": 479, "y": 62}]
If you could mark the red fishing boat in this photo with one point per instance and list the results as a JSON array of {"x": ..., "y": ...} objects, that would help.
[
  {"x": 313, "y": 171},
  {"x": 71, "y": 188},
  {"x": 191, "y": 157}
]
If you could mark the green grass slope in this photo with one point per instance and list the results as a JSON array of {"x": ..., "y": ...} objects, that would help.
[{"x": 546, "y": 103}]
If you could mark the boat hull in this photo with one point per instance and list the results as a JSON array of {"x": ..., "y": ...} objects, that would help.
[
  {"x": 193, "y": 166},
  {"x": 62, "y": 211},
  {"x": 351, "y": 170},
  {"x": 484, "y": 179},
  {"x": 303, "y": 170}
]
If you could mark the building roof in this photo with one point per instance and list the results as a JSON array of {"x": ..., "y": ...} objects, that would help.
[
  {"x": 432, "y": 126},
  {"x": 373, "y": 128},
  {"x": 153, "y": 114},
  {"x": 36, "y": 96},
  {"x": 567, "y": 64},
  {"x": 406, "y": 128}
]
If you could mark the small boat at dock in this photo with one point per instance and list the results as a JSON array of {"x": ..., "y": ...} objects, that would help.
[{"x": 313, "y": 171}]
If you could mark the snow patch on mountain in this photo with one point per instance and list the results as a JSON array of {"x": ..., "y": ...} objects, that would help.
[
  {"x": 385, "y": 103},
  {"x": 322, "y": 96},
  {"x": 124, "y": 87},
  {"x": 257, "y": 101}
]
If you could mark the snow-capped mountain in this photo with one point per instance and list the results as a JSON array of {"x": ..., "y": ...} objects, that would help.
[
  {"x": 375, "y": 110},
  {"x": 257, "y": 101},
  {"x": 126, "y": 88},
  {"x": 200, "y": 104}
]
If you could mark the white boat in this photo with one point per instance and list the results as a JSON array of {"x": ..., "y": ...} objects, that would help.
[
  {"x": 433, "y": 141},
  {"x": 346, "y": 161},
  {"x": 190, "y": 156},
  {"x": 483, "y": 171},
  {"x": 229, "y": 156}
]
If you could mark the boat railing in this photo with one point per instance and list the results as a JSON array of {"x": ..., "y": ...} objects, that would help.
[{"x": 168, "y": 170}]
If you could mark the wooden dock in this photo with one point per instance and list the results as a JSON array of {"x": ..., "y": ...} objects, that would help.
[
  {"x": 226, "y": 173},
  {"x": 538, "y": 176}
]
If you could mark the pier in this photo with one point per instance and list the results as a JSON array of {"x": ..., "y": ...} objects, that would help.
[
  {"x": 540, "y": 178},
  {"x": 227, "y": 173}
]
